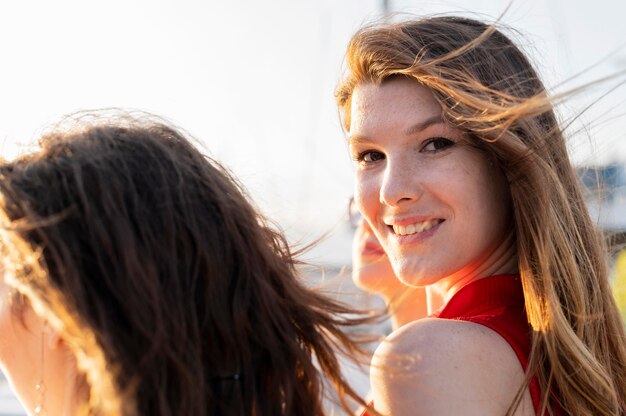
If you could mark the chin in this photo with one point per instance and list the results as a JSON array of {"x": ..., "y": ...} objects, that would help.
[
  {"x": 414, "y": 280},
  {"x": 371, "y": 283},
  {"x": 417, "y": 276}
]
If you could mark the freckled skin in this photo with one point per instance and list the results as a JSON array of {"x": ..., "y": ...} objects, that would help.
[{"x": 413, "y": 165}]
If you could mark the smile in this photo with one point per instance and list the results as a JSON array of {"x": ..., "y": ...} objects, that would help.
[{"x": 416, "y": 228}]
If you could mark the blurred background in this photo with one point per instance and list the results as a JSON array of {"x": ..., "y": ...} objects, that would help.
[{"x": 253, "y": 82}]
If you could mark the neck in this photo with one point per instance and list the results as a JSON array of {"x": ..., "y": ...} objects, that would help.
[
  {"x": 64, "y": 394},
  {"x": 406, "y": 305},
  {"x": 76, "y": 392},
  {"x": 435, "y": 300}
]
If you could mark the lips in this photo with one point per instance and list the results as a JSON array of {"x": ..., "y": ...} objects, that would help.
[{"x": 372, "y": 249}]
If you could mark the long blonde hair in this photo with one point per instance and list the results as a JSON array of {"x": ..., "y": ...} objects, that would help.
[{"x": 488, "y": 88}]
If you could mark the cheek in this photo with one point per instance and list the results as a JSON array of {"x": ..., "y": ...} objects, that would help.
[
  {"x": 7, "y": 324},
  {"x": 12, "y": 345},
  {"x": 20, "y": 347},
  {"x": 367, "y": 194},
  {"x": 356, "y": 246},
  {"x": 375, "y": 275},
  {"x": 7, "y": 339},
  {"x": 486, "y": 201},
  {"x": 19, "y": 327},
  {"x": 492, "y": 188}
]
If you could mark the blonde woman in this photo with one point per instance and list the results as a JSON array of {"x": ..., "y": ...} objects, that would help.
[{"x": 464, "y": 177}]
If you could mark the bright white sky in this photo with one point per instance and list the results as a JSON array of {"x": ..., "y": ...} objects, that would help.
[{"x": 253, "y": 80}]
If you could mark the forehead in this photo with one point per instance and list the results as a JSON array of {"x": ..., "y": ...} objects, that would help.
[{"x": 396, "y": 103}]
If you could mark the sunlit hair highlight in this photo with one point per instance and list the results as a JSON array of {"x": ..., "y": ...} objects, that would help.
[
  {"x": 487, "y": 87},
  {"x": 176, "y": 296}
]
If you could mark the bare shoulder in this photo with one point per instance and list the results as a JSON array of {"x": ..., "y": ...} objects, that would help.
[{"x": 446, "y": 367}]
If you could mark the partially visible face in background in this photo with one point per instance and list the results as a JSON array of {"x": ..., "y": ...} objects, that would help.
[{"x": 371, "y": 269}]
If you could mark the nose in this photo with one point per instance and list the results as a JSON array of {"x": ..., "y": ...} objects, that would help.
[{"x": 400, "y": 184}]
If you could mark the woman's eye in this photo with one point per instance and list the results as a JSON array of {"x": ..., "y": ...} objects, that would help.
[
  {"x": 370, "y": 156},
  {"x": 437, "y": 143}
]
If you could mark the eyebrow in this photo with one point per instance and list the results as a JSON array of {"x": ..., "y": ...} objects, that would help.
[{"x": 416, "y": 128}]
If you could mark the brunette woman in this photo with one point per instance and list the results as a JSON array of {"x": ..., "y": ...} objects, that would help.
[{"x": 139, "y": 280}]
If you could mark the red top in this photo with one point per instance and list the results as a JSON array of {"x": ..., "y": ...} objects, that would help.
[{"x": 496, "y": 302}]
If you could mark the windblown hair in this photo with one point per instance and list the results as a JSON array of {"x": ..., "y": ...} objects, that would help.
[
  {"x": 174, "y": 293},
  {"x": 487, "y": 88}
]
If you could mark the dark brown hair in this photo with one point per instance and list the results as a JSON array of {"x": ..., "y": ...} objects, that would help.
[
  {"x": 487, "y": 87},
  {"x": 175, "y": 294}
]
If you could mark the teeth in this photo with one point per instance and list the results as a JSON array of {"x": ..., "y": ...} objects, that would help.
[{"x": 414, "y": 228}]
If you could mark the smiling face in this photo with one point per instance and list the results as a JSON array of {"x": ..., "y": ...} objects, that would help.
[{"x": 437, "y": 205}]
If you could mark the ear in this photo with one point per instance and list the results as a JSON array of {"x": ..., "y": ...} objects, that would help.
[{"x": 52, "y": 337}]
